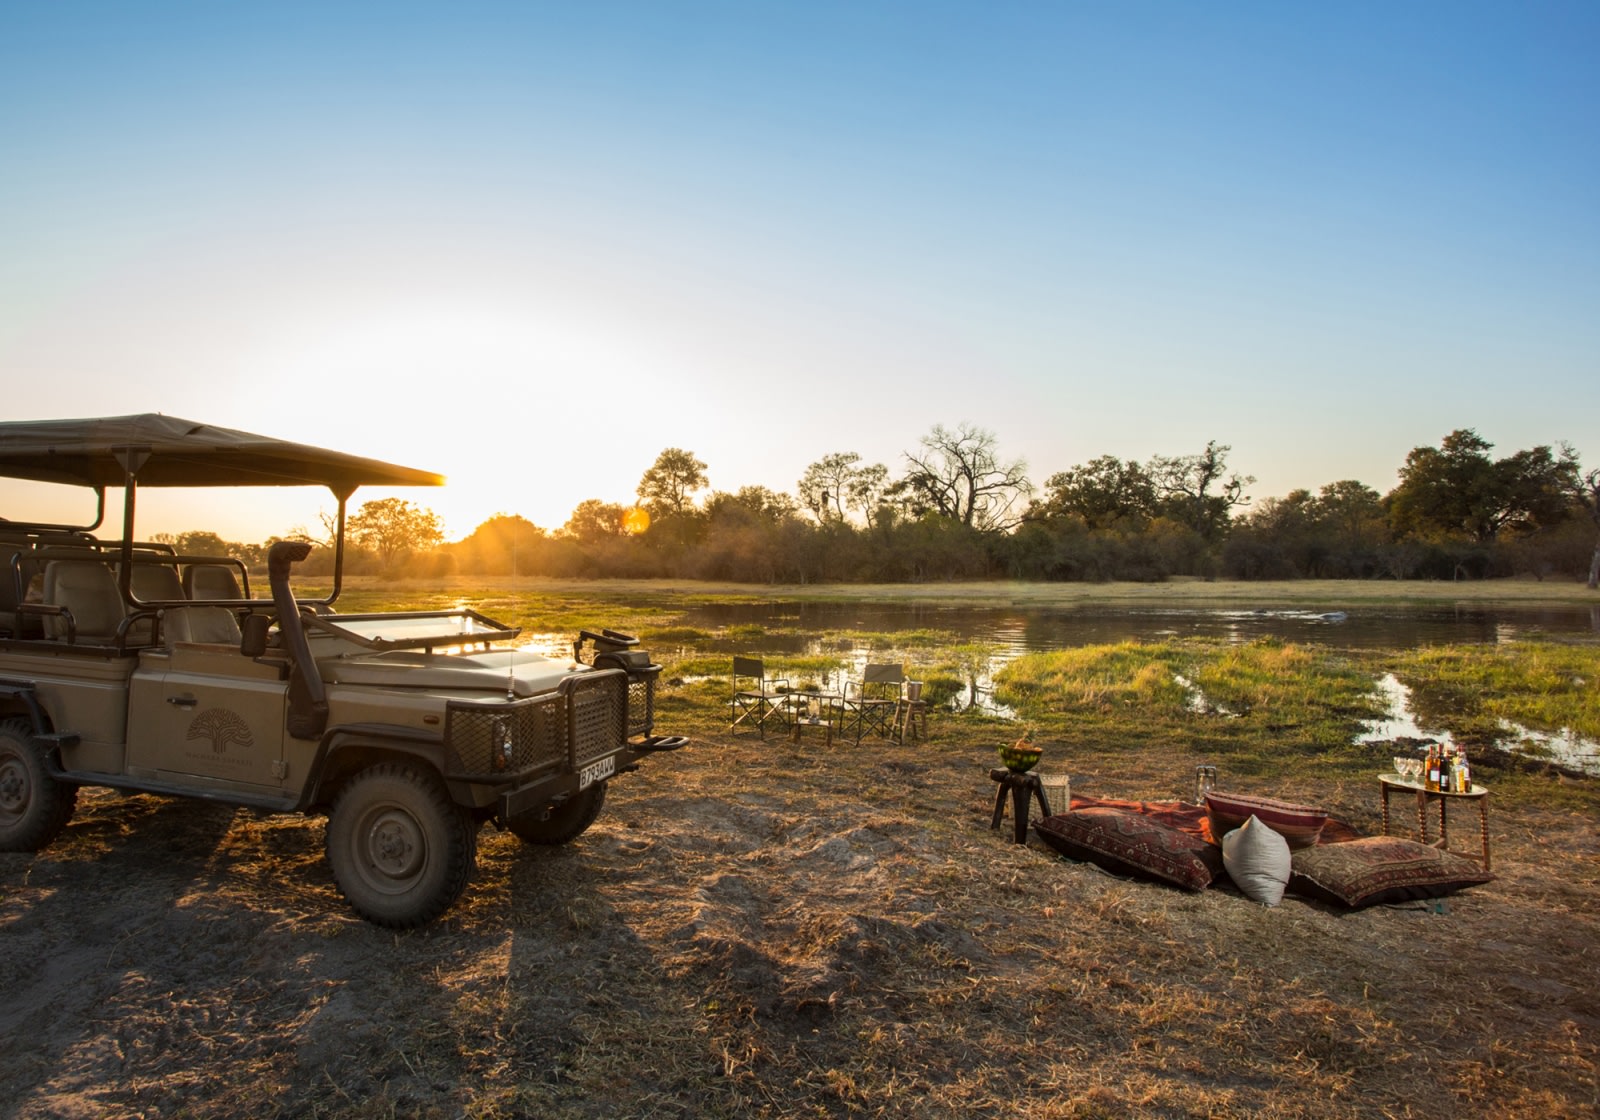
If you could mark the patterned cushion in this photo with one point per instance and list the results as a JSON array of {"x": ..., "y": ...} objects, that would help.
[
  {"x": 1301, "y": 825},
  {"x": 1128, "y": 844},
  {"x": 1380, "y": 869}
]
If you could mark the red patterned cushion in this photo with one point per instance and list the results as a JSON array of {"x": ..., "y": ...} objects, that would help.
[
  {"x": 1301, "y": 825},
  {"x": 1129, "y": 844},
  {"x": 1378, "y": 869}
]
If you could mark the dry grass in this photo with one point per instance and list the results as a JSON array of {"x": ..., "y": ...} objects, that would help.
[
  {"x": 1326, "y": 594},
  {"x": 768, "y": 929}
]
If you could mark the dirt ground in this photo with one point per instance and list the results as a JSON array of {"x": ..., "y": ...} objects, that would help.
[{"x": 769, "y": 929}]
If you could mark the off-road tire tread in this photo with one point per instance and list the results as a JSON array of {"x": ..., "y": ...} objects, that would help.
[
  {"x": 460, "y": 835},
  {"x": 51, "y": 802},
  {"x": 566, "y": 823}
]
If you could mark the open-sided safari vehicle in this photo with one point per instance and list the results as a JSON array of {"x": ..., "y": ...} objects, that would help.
[{"x": 129, "y": 665}]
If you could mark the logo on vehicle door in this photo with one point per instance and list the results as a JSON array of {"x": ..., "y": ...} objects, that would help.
[{"x": 222, "y": 729}]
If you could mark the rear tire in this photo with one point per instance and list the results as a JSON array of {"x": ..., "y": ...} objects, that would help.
[
  {"x": 567, "y": 821},
  {"x": 400, "y": 849},
  {"x": 34, "y": 807}
]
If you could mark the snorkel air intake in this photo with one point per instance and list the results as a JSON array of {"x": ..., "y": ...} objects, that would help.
[{"x": 308, "y": 700}]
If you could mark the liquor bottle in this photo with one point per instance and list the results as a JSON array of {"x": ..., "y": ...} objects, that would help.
[
  {"x": 1463, "y": 774},
  {"x": 1432, "y": 781},
  {"x": 1447, "y": 771}
]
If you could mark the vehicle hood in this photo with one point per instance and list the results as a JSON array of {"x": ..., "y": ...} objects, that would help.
[{"x": 486, "y": 671}]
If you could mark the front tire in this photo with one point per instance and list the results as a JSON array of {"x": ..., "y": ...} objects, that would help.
[
  {"x": 567, "y": 821},
  {"x": 34, "y": 807},
  {"x": 400, "y": 849}
]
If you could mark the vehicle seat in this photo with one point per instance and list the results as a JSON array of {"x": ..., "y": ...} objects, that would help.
[
  {"x": 153, "y": 583},
  {"x": 206, "y": 624},
  {"x": 211, "y": 581},
  {"x": 88, "y": 590}
]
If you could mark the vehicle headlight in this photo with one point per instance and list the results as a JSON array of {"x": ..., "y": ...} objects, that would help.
[{"x": 501, "y": 745}]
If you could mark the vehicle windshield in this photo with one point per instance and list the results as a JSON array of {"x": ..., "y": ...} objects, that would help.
[{"x": 414, "y": 629}]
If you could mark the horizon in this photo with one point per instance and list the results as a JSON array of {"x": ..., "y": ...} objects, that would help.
[{"x": 51, "y": 503}]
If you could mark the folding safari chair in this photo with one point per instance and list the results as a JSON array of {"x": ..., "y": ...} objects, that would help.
[
  {"x": 872, "y": 704},
  {"x": 760, "y": 700}
]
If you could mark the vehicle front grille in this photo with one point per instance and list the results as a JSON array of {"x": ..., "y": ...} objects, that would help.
[
  {"x": 584, "y": 719},
  {"x": 642, "y": 702},
  {"x": 599, "y": 713}
]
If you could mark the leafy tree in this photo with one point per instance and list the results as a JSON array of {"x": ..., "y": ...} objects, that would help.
[
  {"x": 824, "y": 486},
  {"x": 752, "y": 504},
  {"x": 393, "y": 528},
  {"x": 666, "y": 486},
  {"x": 1353, "y": 508},
  {"x": 838, "y": 483},
  {"x": 506, "y": 544},
  {"x": 1196, "y": 491},
  {"x": 593, "y": 521},
  {"x": 1456, "y": 489},
  {"x": 866, "y": 490},
  {"x": 959, "y": 474},
  {"x": 1104, "y": 492}
]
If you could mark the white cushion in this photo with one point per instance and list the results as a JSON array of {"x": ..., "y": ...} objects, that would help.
[{"x": 1258, "y": 861}]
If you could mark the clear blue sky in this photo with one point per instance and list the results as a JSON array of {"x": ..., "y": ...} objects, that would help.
[{"x": 530, "y": 245}]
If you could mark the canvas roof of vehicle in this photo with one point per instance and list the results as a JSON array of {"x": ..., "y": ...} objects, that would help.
[{"x": 178, "y": 452}]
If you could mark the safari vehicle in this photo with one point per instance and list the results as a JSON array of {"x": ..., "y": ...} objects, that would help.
[{"x": 129, "y": 665}]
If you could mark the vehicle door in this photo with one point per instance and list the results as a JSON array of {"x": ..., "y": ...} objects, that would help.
[{"x": 228, "y": 728}]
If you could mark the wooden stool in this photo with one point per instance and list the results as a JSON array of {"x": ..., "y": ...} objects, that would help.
[
  {"x": 912, "y": 720},
  {"x": 824, "y": 722},
  {"x": 1025, "y": 789}
]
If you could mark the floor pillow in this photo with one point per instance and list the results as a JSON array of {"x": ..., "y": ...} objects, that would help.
[
  {"x": 1379, "y": 869},
  {"x": 1126, "y": 843},
  {"x": 1258, "y": 861},
  {"x": 1301, "y": 825}
]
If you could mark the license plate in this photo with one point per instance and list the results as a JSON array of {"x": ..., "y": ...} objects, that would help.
[{"x": 597, "y": 771}]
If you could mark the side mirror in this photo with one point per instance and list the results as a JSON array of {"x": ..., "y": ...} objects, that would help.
[{"x": 253, "y": 635}]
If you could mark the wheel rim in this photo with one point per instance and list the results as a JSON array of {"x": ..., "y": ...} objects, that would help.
[
  {"x": 393, "y": 849},
  {"x": 13, "y": 787}
]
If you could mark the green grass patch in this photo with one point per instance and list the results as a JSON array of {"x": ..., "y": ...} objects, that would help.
[{"x": 1544, "y": 686}]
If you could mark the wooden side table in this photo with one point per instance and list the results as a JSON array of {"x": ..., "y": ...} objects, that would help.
[
  {"x": 821, "y": 714},
  {"x": 1024, "y": 789},
  {"x": 1425, "y": 797}
]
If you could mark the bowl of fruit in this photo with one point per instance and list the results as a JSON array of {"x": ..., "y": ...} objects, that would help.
[{"x": 1020, "y": 757}]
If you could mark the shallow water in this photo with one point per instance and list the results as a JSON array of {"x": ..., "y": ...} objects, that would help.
[
  {"x": 1010, "y": 633},
  {"x": 1015, "y": 631}
]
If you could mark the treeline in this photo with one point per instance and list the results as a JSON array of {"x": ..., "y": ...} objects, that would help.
[{"x": 959, "y": 510}]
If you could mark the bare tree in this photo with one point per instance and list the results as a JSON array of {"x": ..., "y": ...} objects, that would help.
[
  {"x": 959, "y": 475},
  {"x": 1589, "y": 495}
]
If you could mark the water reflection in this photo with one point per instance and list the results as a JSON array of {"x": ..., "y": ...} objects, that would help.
[{"x": 1017, "y": 631}]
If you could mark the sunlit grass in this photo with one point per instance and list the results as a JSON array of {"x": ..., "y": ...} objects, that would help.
[
  {"x": 1096, "y": 679},
  {"x": 1545, "y": 686}
]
